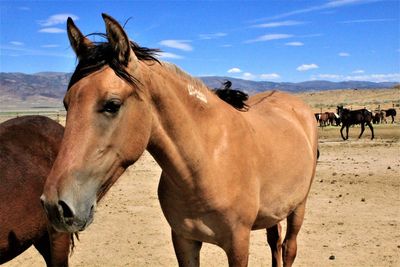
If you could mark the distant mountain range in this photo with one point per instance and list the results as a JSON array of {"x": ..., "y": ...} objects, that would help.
[{"x": 54, "y": 84}]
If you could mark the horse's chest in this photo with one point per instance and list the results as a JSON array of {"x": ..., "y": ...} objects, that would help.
[{"x": 191, "y": 216}]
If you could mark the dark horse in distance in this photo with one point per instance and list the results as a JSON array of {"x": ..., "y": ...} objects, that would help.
[
  {"x": 391, "y": 112},
  {"x": 351, "y": 117},
  {"x": 28, "y": 148}
]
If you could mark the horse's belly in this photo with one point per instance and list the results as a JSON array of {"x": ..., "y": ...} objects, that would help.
[{"x": 281, "y": 194}]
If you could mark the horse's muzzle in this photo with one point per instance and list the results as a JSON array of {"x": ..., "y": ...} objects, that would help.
[{"x": 64, "y": 218}]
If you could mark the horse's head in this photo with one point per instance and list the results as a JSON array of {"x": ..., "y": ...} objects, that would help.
[
  {"x": 339, "y": 110},
  {"x": 108, "y": 125}
]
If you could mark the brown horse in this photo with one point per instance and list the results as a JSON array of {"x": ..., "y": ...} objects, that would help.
[
  {"x": 225, "y": 172},
  {"x": 28, "y": 148}
]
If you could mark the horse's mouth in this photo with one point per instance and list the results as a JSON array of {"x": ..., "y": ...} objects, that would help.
[{"x": 74, "y": 224}]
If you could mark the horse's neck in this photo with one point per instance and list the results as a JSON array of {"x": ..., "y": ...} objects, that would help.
[{"x": 181, "y": 105}]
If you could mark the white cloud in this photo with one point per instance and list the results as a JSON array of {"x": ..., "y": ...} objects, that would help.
[
  {"x": 57, "y": 19},
  {"x": 209, "y": 36},
  {"x": 49, "y": 46},
  {"x": 177, "y": 44},
  {"x": 52, "y": 30},
  {"x": 326, "y": 6},
  {"x": 270, "y": 76},
  {"x": 248, "y": 76},
  {"x": 166, "y": 55},
  {"x": 327, "y": 76},
  {"x": 279, "y": 24},
  {"x": 383, "y": 77},
  {"x": 358, "y": 71},
  {"x": 270, "y": 37},
  {"x": 294, "y": 44},
  {"x": 343, "y": 54},
  {"x": 17, "y": 43},
  {"x": 234, "y": 70},
  {"x": 387, "y": 77},
  {"x": 306, "y": 67},
  {"x": 366, "y": 20},
  {"x": 22, "y": 51}
]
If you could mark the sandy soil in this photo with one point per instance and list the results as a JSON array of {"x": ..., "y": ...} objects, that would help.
[{"x": 352, "y": 217}]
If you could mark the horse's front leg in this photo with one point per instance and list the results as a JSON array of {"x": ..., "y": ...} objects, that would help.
[
  {"x": 237, "y": 248},
  {"x": 187, "y": 251},
  {"x": 341, "y": 131},
  {"x": 362, "y": 130}
]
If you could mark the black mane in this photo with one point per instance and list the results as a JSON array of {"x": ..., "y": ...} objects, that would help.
[
  {"x": 102, "y": 54},
  {"x": 235, "y": 98}
]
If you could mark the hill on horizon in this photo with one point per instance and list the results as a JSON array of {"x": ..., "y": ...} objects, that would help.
[{"x": 52, "y": 86}]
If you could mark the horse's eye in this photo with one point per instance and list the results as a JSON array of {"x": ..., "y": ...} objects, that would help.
[{"x": 112, "y": 106}]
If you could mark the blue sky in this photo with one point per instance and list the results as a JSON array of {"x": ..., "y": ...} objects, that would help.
[{"x": 281, "y": 41}]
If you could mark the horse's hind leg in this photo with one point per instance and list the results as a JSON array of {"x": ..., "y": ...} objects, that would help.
[
  {"x": 187, "y": 251},
  {"x": 275, "y": 243},
  {"x": 294, "y": 222}
]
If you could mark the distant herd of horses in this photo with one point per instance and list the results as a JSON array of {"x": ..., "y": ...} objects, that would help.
[
  {"x": 333, "y": 118},
  {"x": 224, "y": 169},
  {"x": 346, "y": 117}
]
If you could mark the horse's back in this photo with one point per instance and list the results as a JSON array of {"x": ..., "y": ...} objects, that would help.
[
  {"x": 280, "y": 107},
  {"x": 28, "y": 147}
]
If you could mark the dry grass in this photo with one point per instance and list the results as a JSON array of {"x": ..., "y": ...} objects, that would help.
[{"x": 371, "y": 99}]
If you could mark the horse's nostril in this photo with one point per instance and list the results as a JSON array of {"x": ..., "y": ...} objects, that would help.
[{"x": 67, "y": 212}]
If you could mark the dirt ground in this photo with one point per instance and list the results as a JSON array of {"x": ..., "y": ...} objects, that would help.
[{"x": 352, "y": 216}]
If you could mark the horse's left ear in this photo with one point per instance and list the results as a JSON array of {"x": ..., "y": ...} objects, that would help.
[
  {"x": 118, "y": 39},
  {"x": 78, "y": 41}
]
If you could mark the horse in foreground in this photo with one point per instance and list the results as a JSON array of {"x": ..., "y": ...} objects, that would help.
[
  {"x": 351, "y": 117},
  {"x": 28, "y": 148},
  {"x": 224, "y": 172}
]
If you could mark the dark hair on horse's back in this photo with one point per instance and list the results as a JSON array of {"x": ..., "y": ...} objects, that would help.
[
  {"x": 101, "y": 54},
  {"x": 235, "y": 98}
]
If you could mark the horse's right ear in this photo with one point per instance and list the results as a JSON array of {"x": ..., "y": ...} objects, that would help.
[{"x": 78, "y": 41}]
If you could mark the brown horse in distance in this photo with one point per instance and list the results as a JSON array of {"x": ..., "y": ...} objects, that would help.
[
  {"x": 225, "y": 172},
  {"x": 28, "y": 148}
]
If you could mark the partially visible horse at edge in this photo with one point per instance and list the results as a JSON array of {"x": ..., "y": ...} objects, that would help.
[
  {"x": 28, "y": 148},
  {"x": 352, "y": 117},
  {"x": 224, "y": 172}
]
